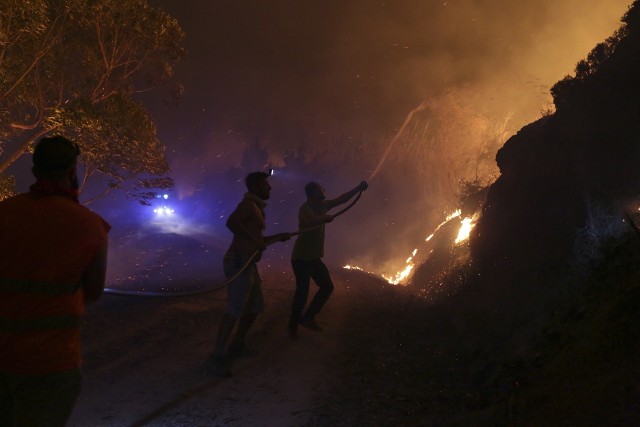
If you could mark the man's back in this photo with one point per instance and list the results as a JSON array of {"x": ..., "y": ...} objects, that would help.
[
  {"x": 248, "y": 219},
  {"x": 47, "y": 244}
]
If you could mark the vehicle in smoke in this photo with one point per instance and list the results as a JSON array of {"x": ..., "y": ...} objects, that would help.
[{"x": 162, "y": 210}]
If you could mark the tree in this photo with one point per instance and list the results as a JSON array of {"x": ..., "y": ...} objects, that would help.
[{"x": 76, "y": 67}]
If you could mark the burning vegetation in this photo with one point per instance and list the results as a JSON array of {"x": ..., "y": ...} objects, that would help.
[
  {"x": 542, "y": 328},
  {"x": 534, "y": 270}
]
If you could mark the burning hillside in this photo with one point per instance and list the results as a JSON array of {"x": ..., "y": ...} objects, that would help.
[
  {"x": 544, "y": 330},
  {"x": 569, "y": 166}
]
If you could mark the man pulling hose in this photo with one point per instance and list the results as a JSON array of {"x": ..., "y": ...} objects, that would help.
[{"x": 247, "y": 223}]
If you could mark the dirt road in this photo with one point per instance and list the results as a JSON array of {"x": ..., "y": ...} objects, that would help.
[{"x": 144, "y": 359}]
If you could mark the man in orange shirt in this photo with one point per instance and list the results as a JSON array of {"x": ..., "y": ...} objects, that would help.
[{"x": 53, "y": 256}]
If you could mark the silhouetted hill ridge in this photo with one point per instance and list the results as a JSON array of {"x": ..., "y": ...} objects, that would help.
[{"x": 553, "y": 171}]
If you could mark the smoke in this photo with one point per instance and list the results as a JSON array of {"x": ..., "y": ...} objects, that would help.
[{"x": 324, "y": 88}]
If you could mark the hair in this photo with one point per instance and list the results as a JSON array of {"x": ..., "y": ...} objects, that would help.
[
  {"x": 254, "y": 178},
  {"x": 311, "y": 187},
  {"x": 54, "y": 156}
]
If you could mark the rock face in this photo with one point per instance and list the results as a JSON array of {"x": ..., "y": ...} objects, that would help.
[
  {"x": 534, "y": 207},
  {"x": 554, "y": 170}
]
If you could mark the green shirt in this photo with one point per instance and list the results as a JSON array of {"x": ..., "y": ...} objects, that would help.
[{"x": 310, "y": 244}]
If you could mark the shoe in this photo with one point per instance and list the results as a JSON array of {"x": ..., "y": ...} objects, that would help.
[
  {"x": 311, "y": 324},
  {"x": 220, "y": 365},
  {"x": 236, "y": 350}
]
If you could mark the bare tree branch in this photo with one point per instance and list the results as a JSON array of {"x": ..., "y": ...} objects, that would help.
[{"x": 21, "y": 150}]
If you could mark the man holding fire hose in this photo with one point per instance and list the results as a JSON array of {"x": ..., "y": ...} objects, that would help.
[
  {"x": 308, "y": 251},
  {"x": 247, "y": 223}
]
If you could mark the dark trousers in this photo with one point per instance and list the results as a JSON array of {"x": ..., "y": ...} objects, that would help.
[
  {"x": 45, "y": 400},
  {"x": 305, "y": 271}
]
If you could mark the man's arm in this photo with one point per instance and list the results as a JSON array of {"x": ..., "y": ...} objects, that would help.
[
  {"x": 93, "y": 278},
  {"x": 344, "y": 198}
]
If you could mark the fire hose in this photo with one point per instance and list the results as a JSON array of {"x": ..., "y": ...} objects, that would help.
[{"x": 229, "y": 279}]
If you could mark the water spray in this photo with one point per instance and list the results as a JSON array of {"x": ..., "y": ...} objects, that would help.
[{"x": 407, "y": 120}]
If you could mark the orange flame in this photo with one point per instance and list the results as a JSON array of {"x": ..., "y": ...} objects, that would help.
[
  {"x": 465, "y": 229},
  {"x": 399, "y": 277}
]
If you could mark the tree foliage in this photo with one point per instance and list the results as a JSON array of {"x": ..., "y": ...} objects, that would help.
[
  {"x": 593, "y": 75},
  {"x": 76, "y": 67}
]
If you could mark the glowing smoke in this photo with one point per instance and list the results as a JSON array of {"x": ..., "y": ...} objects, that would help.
[{"x": 416, "y": 95}]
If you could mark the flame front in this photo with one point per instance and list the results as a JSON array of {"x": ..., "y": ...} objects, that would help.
[
  {"x": 401, "y": 275},
  {"x": 463, "y": 234},
  {"x": 465, "y": 230}
]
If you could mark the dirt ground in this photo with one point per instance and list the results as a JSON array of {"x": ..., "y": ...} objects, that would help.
[
  {"x": 386, "y": 357},
  {"x": 145, "y": 358}
]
